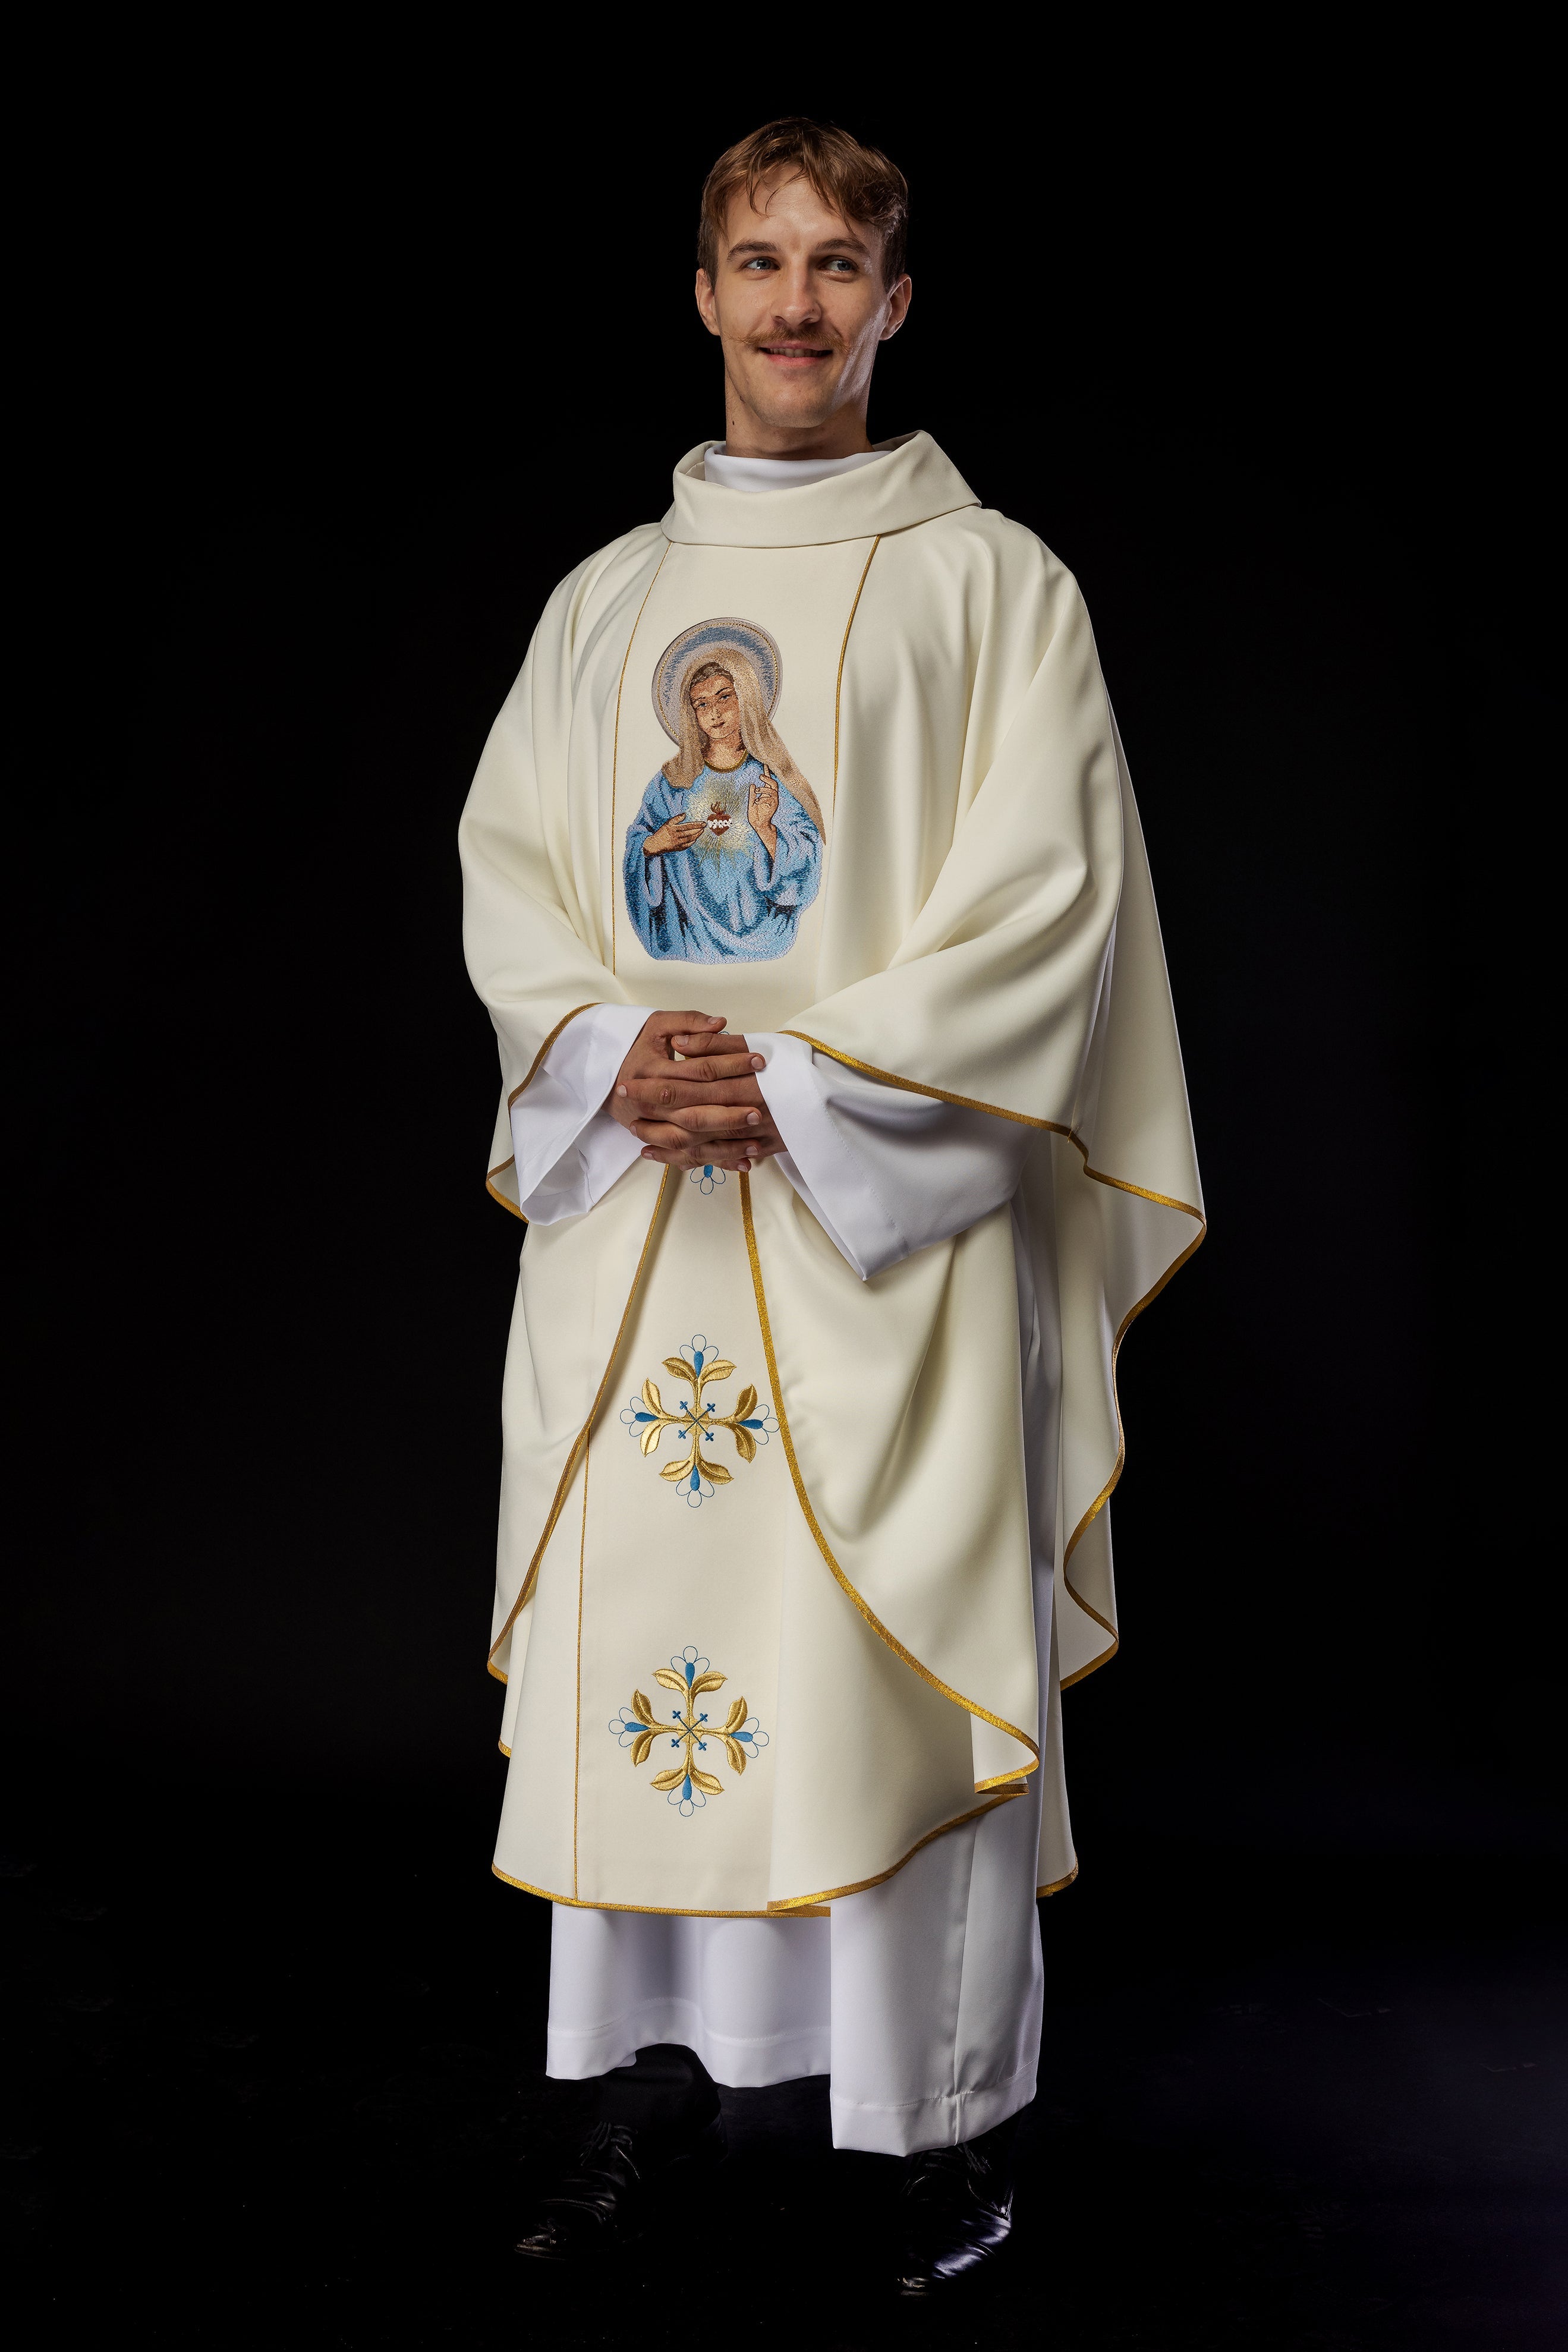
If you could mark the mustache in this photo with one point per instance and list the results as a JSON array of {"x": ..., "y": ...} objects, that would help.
[{"x": 818, "y": 339}]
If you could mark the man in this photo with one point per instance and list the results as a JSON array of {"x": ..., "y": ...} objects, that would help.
[{"x": 811, "y": 1384}]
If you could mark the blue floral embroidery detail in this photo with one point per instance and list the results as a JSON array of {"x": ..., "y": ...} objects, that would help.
[
  {"x": 696, "y": 1474},
  {"x": 707, "y": 1179},
  {"x": 685, "y": 1784}
]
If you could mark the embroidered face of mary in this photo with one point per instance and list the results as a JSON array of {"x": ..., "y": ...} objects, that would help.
[
  {"x": 725, "y": 852},
  {"x": 716, "y": 708}
]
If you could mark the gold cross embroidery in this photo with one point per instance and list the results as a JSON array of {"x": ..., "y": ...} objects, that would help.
[
  {"x": 648, "y": 1418},
  {"x": 685, "y": 1784}
]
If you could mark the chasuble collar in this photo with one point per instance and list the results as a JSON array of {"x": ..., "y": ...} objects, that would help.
[{"x": 914, "y": 483}]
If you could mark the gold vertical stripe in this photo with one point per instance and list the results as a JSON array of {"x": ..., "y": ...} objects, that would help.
[
  {"x": 970, "y": 1705},
  {"x": 838, "y": 685},
  {"x": 580, "y": 1442},
  {"x": 615, "y": 747},
  {"x": 577, "y": 1737}
]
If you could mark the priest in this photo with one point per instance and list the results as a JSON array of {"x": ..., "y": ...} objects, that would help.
[{"x": 840, "y": 1091}]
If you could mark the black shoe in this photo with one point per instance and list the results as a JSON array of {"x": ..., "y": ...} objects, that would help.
[
  {"x": 599, "y": 2203},
  {"x": 958, "y": 2209}
]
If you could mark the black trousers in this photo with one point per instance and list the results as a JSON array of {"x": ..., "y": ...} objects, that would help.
[{"x": 666, "y": 2088}]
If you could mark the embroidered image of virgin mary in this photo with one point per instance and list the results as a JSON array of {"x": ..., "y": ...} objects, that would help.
[{"x": 725, "y": 853}]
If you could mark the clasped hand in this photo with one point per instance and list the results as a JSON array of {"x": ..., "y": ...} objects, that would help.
[{"x": 703, "y": 1111}]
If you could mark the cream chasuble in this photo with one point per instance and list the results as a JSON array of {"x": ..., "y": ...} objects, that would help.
[{"x": 764, "y": 1597}]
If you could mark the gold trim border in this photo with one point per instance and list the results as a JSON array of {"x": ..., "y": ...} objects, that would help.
[
  {"x": 858, "y": 1886},
  {"x": 1120, "y": 1465},
  {"x": 502, "y": 1165},
  {"x": 838, "y": 683},
  {"x": 534, "y": 1065},
  {"x": 654, "y": 1910},
  {"x": 1020, "y": 1119},
  {"x": 798, "y": 1906},
  {"x": 579, "y": 1443},
  {"x": 510, "y": 1206},
  {"x": 1056, "y": 1885},
  {"x": 615, "y": 743},
  {"x": 970, "y": 1705}
]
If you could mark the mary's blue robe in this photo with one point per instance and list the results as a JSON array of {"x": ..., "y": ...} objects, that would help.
[{"x": 723, "y": 900}]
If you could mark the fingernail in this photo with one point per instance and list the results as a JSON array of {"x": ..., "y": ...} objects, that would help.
[
  {"x": 757, "y": 1063},
  {"x": 621, "y": 1091},
  {"x": 753, "y": 1118}
]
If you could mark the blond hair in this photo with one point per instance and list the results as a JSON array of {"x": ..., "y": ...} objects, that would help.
[
  {"x": 758, "y": 734},
  {"x": 859, "y": 184}
]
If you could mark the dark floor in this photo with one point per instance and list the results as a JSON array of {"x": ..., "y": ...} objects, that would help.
[{"x": 280, "y": 2085}]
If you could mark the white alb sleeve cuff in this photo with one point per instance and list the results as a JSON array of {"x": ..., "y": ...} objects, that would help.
[
  {"x": 884, "y": 1171},
  {"x": 568, "y": 1148}
]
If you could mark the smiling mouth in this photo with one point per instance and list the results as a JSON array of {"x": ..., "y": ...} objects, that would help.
[{"x": 795, "y": 354}]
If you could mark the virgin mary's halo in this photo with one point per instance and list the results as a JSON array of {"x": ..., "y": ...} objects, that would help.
[{"x": 711, "y": 639}]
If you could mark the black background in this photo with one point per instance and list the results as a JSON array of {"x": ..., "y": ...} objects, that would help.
[{"x": 328, "y": 394}]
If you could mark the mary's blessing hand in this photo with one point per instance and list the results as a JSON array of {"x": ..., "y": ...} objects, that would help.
[{"x": 675, "y": 832}]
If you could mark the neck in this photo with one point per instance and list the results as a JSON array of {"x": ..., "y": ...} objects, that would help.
[{"x": 715, "y": 761}]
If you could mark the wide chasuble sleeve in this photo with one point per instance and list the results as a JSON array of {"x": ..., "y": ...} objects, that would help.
[{"x": 968, "y": 916}]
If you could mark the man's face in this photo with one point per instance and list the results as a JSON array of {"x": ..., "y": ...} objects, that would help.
[{"x": 799, "y": 304}]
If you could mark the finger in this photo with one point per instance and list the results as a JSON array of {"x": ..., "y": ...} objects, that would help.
[
  {"x": 731, "y": 1156},
  {"x": 687, "y": 1154},
  {"x": 721, "y": 1151},
  {"x": 714, "y": 1119},
  {"x": 663, "y": 1098},
  {"x": 729, "y": 1047},
  {"x": 652, "y": 1047},
  {"x": 741, "y": 1092},
  {"x": 661, "y": 1135},
  {"x": 715, "y": 1069},
  {"x": 665, "y": 1024},
  {"x": 665, "y": 1088},
  {"x": 692, "y": 1160},
  {"x": 704, "y": 1146}
]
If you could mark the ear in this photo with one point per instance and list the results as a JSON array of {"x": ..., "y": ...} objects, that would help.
[
  {"x": 897, "y": 308},
  {"x": 706, "y": 304}
]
